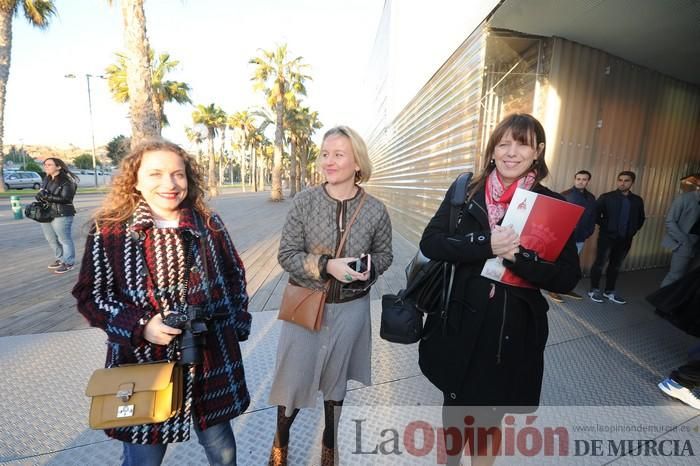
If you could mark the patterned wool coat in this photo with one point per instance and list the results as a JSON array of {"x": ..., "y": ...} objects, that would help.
[{"x": 130, "y": 272}]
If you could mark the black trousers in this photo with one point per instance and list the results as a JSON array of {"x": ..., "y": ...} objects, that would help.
[
  {"x": 613, "y": 251},
  {"x": 688, "y": 375}
]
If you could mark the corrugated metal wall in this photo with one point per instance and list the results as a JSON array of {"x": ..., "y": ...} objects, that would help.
[
  {"x": 600, "y": 113},
  {"x": 432, "y": 140},
  {"x": 606, "y": 115}
]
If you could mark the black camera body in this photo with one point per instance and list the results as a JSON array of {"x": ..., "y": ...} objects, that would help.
[{"x": 193, "y": 323}]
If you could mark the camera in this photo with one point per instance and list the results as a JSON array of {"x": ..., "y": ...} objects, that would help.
[{"x": 193, "y": 338}]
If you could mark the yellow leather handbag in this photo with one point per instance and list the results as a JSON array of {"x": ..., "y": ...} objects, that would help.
[{"x": 134, "y": 394}]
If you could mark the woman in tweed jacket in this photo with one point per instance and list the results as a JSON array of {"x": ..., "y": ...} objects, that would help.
[
  {"x": 325, "y": 360},
  {"x": 139, "y": 255}
]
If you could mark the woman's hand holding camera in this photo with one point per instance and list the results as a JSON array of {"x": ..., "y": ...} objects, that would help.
[
  {"x": 505, "y": 242},
  {"x": 158, "y": 333},
  {"x": 343, "y": 272}
]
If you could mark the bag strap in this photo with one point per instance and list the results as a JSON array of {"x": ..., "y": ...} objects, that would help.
[
  {"x": 201, "y": 229},
  {"x": 352, "y": 220},
  {"x": 459, "y": 197}
]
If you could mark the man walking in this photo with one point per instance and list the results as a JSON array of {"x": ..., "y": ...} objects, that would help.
[
  {"x": 620, "y": 214},
  {"x": 680, "y": 220},
  {"x": 579, "y": 195}
]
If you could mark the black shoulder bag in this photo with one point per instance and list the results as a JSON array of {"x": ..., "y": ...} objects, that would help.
[{"x": 428, "y": 284}]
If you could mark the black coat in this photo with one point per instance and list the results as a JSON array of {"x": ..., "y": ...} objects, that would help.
[
  {"x": 59, "y": 193},
  {"x": 609, "y": 206},
  {"x": 490, "y": 351},
  {"x": 679, "y": 302}
]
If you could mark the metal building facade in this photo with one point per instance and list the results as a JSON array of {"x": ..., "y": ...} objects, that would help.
[
  {"x": 600, "y": 113},
  {"x": 434, "y": 138}
]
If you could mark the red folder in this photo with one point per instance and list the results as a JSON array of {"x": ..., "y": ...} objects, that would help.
[{"x": 544, "y": 225}]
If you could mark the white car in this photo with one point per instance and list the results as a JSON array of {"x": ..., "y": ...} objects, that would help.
[{"x": 20, "y": 180}]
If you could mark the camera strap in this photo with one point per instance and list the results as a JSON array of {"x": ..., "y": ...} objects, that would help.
[{"x": 203, "y": 254}]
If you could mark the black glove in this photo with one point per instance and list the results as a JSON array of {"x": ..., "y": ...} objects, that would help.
[
  {"x": 41, "y": 196},
  {"x": 242, "y": 336}
]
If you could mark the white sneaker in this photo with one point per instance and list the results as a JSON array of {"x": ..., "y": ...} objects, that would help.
[
  {"x": 614, "y": 297},
  {"x": 679, "y": 392}
]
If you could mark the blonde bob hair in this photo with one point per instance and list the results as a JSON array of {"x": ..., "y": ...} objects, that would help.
[
  {"x": 124, "y": 198},
  {"x": 359, "y": 149}
]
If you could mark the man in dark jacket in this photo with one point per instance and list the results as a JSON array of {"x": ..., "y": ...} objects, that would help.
[
  {"x": 579, "y": 195},
  {"x": 620, "y": 214}
]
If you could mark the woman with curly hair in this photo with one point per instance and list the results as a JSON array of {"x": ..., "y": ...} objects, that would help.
[{"x": 156, "y": 249}]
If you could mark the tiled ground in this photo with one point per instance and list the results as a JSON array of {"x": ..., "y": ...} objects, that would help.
[{"x": 604, "y": 357}]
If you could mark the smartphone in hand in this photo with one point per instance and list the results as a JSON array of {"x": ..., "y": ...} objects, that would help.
[{"x": 363, "y": 264}]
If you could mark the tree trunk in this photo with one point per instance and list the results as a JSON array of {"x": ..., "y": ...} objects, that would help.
[
  {"x": 144, "y": 121},
  {"x": 213, "y": 190},
  {"x": 254, "y": 167},
  {"x": 158, "y": 108},
  {"x": 5, "y": 52},
  {"x": 292, "y": 167},
  {"x": 276, "y": 194},
  {"x": 304, "y": 164},
  {"x": 241, "y": 165},
  {"x": 223, "y": 151}
]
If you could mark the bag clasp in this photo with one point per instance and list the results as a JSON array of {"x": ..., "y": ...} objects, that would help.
[{"x": 126, "y": 390}]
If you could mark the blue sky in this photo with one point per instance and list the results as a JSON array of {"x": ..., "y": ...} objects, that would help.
[{"x": 213, "y": 39}]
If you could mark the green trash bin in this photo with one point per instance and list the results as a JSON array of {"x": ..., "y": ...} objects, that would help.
[{"x": 16, "y": 207}]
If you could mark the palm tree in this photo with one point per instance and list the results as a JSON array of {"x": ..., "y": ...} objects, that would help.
[
  {"x": 222, "y": 154},
  {"x": 211, "y": 117},
  {"x": 38, "y": 13},
  {"x": 144, "y": 120},
  {"x": 163, "y": 90},
  {"x": 282, "y": 79},
  {"x": 302, "y": 124},
  {"x": 243, "y": 125},
  {"x": 195, "y": 137}
]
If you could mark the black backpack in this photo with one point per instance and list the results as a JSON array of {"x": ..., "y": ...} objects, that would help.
[{"x": 428, "y": 284}]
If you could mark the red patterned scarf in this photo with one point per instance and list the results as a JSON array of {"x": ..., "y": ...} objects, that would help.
[{"x": 498, "y": 197}]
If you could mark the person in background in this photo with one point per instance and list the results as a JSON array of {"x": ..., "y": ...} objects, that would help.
[
  {"x": 579, "y": 195},
  {"x": 156, "y": 248},
  {"x": 486, "y": 353},
  {"x": 680, "y": 220},
  {"x": 679, "y": 296},
  {"x": 58, "y": 190},
  {"x": 620, "y": 214}
]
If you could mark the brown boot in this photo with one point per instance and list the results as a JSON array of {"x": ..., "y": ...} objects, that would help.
[
  {"x": 327, "y": 456},
  {"x": 278, "y": 456}
]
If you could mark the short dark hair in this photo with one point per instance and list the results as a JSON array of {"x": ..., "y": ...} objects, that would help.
[
  {"x": 628, "y": 173},
  {"x": 584, "y": 172}
]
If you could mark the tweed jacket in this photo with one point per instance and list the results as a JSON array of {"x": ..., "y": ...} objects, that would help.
[
  {"x": 314, "y": 227},
  {"x": 117, "y": 292}
]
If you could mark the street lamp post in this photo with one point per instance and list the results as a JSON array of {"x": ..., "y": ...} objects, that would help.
[{"x": 92, "y": 127}]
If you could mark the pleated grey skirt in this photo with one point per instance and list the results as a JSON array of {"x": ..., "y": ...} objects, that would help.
[{"x": 325, "y": 360}]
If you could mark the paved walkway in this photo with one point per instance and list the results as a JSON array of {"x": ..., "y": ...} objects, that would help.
[{"x": 602, "y": 362}]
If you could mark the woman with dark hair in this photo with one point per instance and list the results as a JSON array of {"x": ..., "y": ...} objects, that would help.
[
  {"x": 155, "y": 249},
  {"x": 487, "y": 352},
  {"x": 58, "y": 190}
]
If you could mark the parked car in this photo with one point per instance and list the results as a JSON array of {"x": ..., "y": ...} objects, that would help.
[{"x": 20, "y": 180}]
